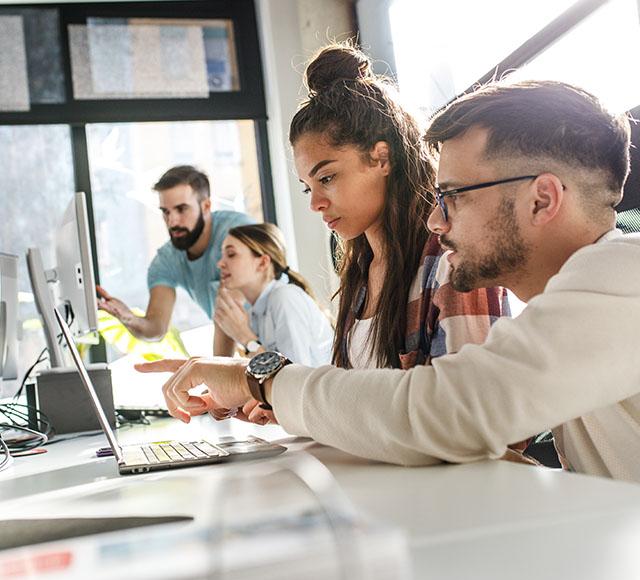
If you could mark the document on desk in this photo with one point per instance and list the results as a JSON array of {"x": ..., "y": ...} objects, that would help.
[{"x": 251, "y": 521}]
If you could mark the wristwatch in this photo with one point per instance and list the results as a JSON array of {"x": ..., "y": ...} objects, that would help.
[
  {"x": 261, "y": 367},
  {"x": 252, "y": 346}
]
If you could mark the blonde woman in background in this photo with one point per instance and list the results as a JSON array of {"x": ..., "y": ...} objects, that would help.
[{"x": 283, "y": 314}]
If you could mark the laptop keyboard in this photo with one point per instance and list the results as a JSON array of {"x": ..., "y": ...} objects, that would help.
[{"x": 174, "y": 451}]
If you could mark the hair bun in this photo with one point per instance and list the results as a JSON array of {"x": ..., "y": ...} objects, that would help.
[{"x": 338, "y": 62}]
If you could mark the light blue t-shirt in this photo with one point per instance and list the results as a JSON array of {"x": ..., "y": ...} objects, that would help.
[
  {"x": 201, "y": 277},
  {"x": 287, "y": 319}
]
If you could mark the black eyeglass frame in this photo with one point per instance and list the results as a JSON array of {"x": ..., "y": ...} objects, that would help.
[{"x": 441, "y": 195}]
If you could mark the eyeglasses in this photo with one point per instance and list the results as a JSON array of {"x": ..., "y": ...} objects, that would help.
[{"x": 440, "y": 195}]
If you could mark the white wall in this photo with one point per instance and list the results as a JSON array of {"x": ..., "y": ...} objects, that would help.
[
  {"x": 374, "y": 32},
  {"x": 290, "y": 32}
]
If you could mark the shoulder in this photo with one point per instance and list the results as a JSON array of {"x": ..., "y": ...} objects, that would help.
[
  {"x": 285, "y": 295},
  {"x": 229, "y": 219},
  {"x": 165, "y": 267},
  {"x": 166, "y": 253},
  {"x": 609, "y": 267},
  {"x": 288, "y": 300}
]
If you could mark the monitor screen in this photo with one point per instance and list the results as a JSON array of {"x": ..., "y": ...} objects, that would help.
[
  {"x": 70, "y": 285},
  {"x": 8, "y": 316},
  {"x": 74, "y": 269}
]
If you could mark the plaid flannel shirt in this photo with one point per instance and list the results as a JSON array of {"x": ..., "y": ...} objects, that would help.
[{"x": 440, "y": 320}]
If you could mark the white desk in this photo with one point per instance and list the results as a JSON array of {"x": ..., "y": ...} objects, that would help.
[{"x": 492, "y": 520}]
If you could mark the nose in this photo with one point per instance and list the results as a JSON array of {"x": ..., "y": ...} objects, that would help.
[
  {"x": 171, "y": 219},
  {"x": 318, "y": 202},
  {"x": 436, "y": 222}
]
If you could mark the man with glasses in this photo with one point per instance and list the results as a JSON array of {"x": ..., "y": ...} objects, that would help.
[{"x": 529, "y": 176}]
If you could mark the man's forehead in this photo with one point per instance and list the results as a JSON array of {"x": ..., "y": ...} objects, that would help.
[
  {"x": 462, "y": 158},
  {"x": 181, "y": 194}
]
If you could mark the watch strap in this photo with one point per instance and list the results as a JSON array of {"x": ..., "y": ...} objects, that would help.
[
  {"x": 264, "y": 405},
  {"x": 256, "y": 386}
]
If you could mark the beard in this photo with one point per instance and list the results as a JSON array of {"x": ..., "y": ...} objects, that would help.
[
  {"x": 191, "y": 236},
  {"x": 508, "y": 252}
]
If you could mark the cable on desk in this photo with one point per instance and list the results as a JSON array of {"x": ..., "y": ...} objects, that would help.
[
  {"x": 7, "y": 460},
  {"x": 17, "y": 419},
  {"x": 69, "y": 318},
  {"x": 39, "y": 360},
  {"x": 19, "y": 414}
]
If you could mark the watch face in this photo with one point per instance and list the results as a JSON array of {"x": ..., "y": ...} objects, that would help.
[{"x": 265, "y": 363}]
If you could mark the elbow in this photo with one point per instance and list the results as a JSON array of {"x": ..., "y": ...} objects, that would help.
[{"x": 153, "y": 333}]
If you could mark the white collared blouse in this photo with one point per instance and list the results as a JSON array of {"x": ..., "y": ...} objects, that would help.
[{"x": 288, "y": 320}]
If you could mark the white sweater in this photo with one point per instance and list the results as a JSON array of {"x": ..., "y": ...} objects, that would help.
[{"x": 566, "y": 361}]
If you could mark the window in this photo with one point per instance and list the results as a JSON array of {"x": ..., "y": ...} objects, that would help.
[
  {"x": 37, "y": 184},
  {"x": 442, "y": 48},
  {"x": 605, "y": 67},
  {"x": 102, "y": 98},
  {"x": 127, "y": 159},
  {"x": 114, "y": 58}
]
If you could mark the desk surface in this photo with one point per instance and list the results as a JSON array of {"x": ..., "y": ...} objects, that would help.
[{"x": 484, "y": 520}]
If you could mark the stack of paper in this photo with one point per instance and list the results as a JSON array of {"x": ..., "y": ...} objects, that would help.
[{"x": 283, "y": 518}]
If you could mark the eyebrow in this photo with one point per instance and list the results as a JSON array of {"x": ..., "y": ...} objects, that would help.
[
  {"x": 444, "y": 185},
  {"x": 319, "y": 166},
  {"x": 179, "y": 206}
]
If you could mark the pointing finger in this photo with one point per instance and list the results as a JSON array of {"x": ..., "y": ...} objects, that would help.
[{"x": 160, "y": 366}]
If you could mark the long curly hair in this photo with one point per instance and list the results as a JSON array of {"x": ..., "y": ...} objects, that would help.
[{"x": 350, "y": 105}]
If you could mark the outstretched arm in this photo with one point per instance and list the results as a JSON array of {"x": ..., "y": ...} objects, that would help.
[{"x": 154, "y": 324}]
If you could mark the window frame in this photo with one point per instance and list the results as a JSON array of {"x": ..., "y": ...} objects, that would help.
[{"x": 247, "y": 103}]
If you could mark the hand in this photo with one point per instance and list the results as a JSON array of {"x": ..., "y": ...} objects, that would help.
[
  {"x": 224, "y": 378},
  {"x": 113, "y": 306},
  {"x": 255, "y": 414},
  {"x": 250, "y": 412},
  {"x": 231, "y": 316},
  {"x": 221, "y": 414}
]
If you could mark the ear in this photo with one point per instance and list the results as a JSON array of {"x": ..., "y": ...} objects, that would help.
[
  {"x": 546, "y": 199},
  {"x": 264, "y": 263},
  {"x": 379, "y": 155},
  {"x": 206, "y": 206}
]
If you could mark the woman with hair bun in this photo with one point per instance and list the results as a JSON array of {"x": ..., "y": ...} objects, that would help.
[
  {"x": 283, "y": 315},
  {"x": 362, "y": 161},
  {"x": 360, "y": 156}
]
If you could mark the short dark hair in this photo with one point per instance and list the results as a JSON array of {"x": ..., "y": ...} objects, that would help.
[
  {"x": 543, "y": 119},
  {"x": 185, "y": 175}
]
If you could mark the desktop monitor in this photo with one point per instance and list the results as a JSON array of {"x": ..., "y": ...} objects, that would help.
[
  {"x": 70, "y": 285},
  {"x": 75, "y": 267},
  {"x": 8, "y": 317}
]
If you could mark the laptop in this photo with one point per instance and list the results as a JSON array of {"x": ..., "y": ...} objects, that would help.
[
  {"x": 145, "y": 399},
  {"x": 141, "y": 458}
]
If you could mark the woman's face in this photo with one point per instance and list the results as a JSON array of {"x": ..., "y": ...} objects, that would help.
[
  {"x": 348, "y": 189},
  {"x": 239, "y": 266}
]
